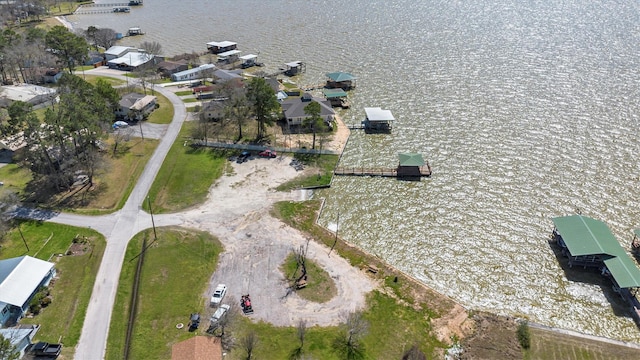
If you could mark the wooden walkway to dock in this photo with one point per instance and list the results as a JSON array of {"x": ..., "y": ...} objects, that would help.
[{"x": 425, "y": 171}]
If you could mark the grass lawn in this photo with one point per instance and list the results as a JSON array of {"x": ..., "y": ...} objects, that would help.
[
  {"x": 184, "y": 92},
  {"x": 15, "y": 178},
  {"x": 325, "y": 165},
  {"x": 190, "y": 100},
  {"x": 552, "y": 346},
  {"x": 186, "y": 175},
  {"x": 114, "y": 182},
  {"x": 174, "y": 278},
  {"x": 63, "y": 318},
  {"x": 320, "y": 288},
  {"x": 92, "y": 79},
  {"x": 164, "y": 113}
]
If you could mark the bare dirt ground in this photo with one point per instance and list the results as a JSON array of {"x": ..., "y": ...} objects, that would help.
[{"x": 256, "y": 244}]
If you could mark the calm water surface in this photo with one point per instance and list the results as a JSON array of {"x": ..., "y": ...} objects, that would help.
[{"x": 526, "y": 110}]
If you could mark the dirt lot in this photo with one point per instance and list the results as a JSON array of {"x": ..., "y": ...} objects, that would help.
[{"x": 256, "y": 244}]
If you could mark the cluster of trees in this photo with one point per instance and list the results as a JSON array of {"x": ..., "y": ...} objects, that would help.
[
  {"x": 66, "y": 142},
  {"x": 24, "y": 54}
]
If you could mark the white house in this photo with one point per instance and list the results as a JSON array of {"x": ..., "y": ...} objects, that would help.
[
  {"x": 115, "y": 52},
  {"x": 20, "y": 279},
  {"x": 134, "y": 106},
  {"x": 132, "y": 60},
  {"x": 193, "y": 74},
  {"x": 293, "y": 109}
]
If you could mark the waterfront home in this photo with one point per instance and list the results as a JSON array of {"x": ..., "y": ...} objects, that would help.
[
  {"x": 341, "y": 80},
  {"x": 589, "y": 243},
  {"x": 222, "y": 75},
  {"x": 200, "y": 72},
  {"x": 217, "y": 47},
  {"x": 33, "y": 94},
  {"x": 115, "y": 52},
  {"x": 20, "y": 279},
  {"x": 133, "y": 60},
  {"x": 167, "y": 68},
  {"x": 378, "y": 119},
  {"x": 135, "y": 107},
  {"x": 294, "y": 114},
  {"x": 198, "y": 348}
]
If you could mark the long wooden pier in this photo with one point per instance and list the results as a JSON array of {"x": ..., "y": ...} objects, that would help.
[{"x": 425, "y": 171}]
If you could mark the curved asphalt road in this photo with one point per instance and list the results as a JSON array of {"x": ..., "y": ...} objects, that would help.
[{"x": 118, "y": 228}]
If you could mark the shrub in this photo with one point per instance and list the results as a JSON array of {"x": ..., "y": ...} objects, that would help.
[
  {"x": 524, "y": 337},
  {"x": 45, "y": 302}
]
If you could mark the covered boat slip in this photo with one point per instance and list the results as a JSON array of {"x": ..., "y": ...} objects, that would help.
[{"x": 590, "y": 243}]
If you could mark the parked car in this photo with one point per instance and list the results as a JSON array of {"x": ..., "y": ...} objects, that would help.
[
  {"x": 243, "y": 157},
  {"x": 44, "y": 349},
  {"x": 194, "y": 322},
  {"x": 219, "y": 314},
  {"x": 218, "y": 294},
  {"x": 268, "y": 153}
]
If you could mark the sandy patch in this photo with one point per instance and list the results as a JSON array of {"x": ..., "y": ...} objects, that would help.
[{"x": 256, "y": 244}]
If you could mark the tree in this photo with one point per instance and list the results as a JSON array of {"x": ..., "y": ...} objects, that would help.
[
  {"x": 248, "y": 344},
  {"x": 8, "y": 204},
  {"x": 314, "y": 121},
  {"x": 264, "y": 104},
  {"x": 414, "y": 354},
  {"x": 7, "y": 350},
  {"x": 69, "y": 48},
  {"x": 104, "y": 38},
  {"x": 238, "y": 108},
  {"x": 348, "y": 344}
]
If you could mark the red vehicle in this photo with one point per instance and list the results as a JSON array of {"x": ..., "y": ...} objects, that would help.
[
  {"x": 268, "y": 153},
  {"x": 245, "y": 302}
]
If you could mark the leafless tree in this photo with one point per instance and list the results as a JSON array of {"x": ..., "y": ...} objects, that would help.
[
  {"x": 8, "y": 203},
  {"x": 119, "y": 136},
  {"x": 301, "y": 331},
  {"x": 349, "y": 342},
  {"x": 104, "y": 38},
  {"x": 248, "y": 344}
]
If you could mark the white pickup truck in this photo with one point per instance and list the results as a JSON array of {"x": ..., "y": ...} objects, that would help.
[{"x": 218, "y": 294}]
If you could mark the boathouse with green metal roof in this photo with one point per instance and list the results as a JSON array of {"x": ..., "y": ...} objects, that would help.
[{"x": 589, "y": 243}]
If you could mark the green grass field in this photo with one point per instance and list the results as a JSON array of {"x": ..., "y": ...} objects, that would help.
[
  {"x": 174, "y": 278},
  {"x": 320, "y": 287},
  {"x": 70, "y": 292},
  {"x": 186, "y": 175}
]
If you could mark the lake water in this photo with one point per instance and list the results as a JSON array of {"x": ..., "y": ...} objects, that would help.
[{"x": 525, "y": 110}]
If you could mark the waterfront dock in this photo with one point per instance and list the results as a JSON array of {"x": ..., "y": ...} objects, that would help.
[{"x": 411, "y": 166}]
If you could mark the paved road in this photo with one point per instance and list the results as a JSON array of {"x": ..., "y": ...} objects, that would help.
[{"x": 118, "y": 229}]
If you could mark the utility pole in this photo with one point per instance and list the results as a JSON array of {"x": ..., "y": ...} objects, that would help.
[
  {"x": 23, "y": 240},
  {"x": 155, "y": 236}
]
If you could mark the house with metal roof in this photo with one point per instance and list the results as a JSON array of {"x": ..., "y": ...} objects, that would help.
[
  {"x": 293, "y": 109},
  {"x": 217, "y": 47},
  {"x": 200, "y": 72},
  {"x": 341, "y": 80},
  {"x": 588, "y": 242},
  {"x": 132, "y": 60},
  {"x": 117, "y": 51},
  {"x": 378, "y": 119},
  {"x": 20, "y": 279}
]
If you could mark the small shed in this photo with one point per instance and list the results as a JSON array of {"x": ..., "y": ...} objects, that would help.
[
  {"x": 410, "y": 165},
  {"x": 378, "y": 119},
  {"x": 217, "y": 47},
  {"x": 342, "y": 80}
]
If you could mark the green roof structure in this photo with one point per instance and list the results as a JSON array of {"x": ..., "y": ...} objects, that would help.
[
  {"x": 340, "y": 76},
  {"x": 586, "y": 236},
  {"x": 334, "y": 93},
  {"x": 624, "y": 271},
  {"x": 411, "y": 159}
]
